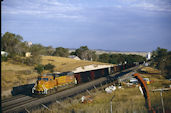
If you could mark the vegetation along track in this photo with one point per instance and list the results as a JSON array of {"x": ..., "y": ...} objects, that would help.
[{"x": 20, "y": 104}]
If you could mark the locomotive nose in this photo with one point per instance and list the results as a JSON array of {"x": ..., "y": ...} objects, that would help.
[{"x": 40, "y": 85}]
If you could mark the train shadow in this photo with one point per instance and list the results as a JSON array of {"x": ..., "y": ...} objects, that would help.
[{"x": 23, "y": 89}]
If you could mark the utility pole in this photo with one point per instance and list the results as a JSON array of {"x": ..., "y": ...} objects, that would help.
[
  {"x": 111, "y": 103},
  {"x": 161, "y": 95}
]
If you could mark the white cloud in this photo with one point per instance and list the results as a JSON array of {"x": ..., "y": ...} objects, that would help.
[
  {"x": 43, "y": 8},
  {"x": 153, "y": 7},
  {"x": 149, "y": 5}
]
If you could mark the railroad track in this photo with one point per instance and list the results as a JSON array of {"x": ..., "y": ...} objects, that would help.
[
  {"x": 12, "y": 98},
  {"x": 21, "y": 103}
]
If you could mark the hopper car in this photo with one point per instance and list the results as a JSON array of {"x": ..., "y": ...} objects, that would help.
[{"x": 53, "y": 81}]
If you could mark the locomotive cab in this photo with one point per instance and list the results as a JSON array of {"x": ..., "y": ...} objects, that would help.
[
  {"x": 43, "y": 84},
  {"x": 46, "y": 83}
]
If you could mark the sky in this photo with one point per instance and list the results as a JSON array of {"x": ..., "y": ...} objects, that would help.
[{"x": 119, "y": 25}]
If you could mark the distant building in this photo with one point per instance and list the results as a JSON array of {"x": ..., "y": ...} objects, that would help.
[
  {"x": 27, "y": 54},
  {"x": 29, "y": 43},
  {"x": 3, "y": 53},
  {"x": 148, "y": 56},
  {"x": 74, "y": 57}
]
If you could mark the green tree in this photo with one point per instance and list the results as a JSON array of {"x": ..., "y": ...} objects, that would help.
[
  {"x": 168, "y": 65},
  {"x": 49, "y": 51},
  {"x": 73, "y": 53},
  {"x": 10, "y": 43},
  {"x": 114, "y": 59},
  {"x": 36, "y": 49},
  {"x": 82, "y": 52},
  {"x": 160, "y": 58},
  {"x": 49, "y": 67},
  {"x": 62, "y": 52},
  {"x": 39, "y": 68},
  {"x": 94, "y": 56},
  {"x": 104, "y": 58}
]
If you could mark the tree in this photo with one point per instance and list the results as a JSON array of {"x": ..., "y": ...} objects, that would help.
[
  {"x": 160, "y": 57},
  {"x": 10, "y": 43},
  {"x": 73, "y": 53},
  {"x": 49, "y": 51},
  {"x": 49, "y": 67},
  {"x": 94, "y": 56},
  {"x": 39, "y": 68},
  {"x": 114, "y": 59},
  {"x": 82, "y": 52},
  {"x": 120, "y": 58},
  {"x": 62, "y": 52},
  {"x": 168, "y": 65},
  {"x": 104, "y": 58},
  {"x": 36, "y": 49},
  {"x": 22, "y": 48}
]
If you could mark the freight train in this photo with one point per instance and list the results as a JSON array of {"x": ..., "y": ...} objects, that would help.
[{"x": 53, "y": 81}]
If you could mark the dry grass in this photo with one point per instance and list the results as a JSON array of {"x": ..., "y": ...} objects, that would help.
[
  {"x": 66, "y": 64},
  {"x": 15, "y": 74},
  {"x": 150, "y": 70},
  {"x": 127, "y": 100},
  {"x": 18, "y": 74}
]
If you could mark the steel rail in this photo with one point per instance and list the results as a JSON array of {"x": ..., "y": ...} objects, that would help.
[{"x": 32, "y": 102}]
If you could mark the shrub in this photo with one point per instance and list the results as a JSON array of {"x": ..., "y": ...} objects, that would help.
[
  {"x": 4, "y": 58},
  {"x": 49, "y": 67},
  {"x": 39, "y": 68}
]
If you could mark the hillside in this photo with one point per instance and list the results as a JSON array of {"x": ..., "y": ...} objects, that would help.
[
  {"x": 19, "y": 74},
  {"x": 127, "y": 99}
]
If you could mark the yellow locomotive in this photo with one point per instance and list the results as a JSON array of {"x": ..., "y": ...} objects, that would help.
[{"x": 47, "y": 82}]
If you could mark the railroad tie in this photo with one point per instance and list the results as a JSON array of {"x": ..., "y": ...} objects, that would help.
[
  {"x": 46, "y": 107},
  {"x": 89, "y": 92},
  {"x": 27, "y": 110}
]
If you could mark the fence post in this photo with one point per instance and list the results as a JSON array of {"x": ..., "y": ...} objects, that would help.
[{"x": 111, "y": 103}]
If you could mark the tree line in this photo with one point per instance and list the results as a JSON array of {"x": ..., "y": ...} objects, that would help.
[
  {"x": 17, "y": 47},
  {"x": 120, "y": 58},
  {"x": 161, "y": 59}
]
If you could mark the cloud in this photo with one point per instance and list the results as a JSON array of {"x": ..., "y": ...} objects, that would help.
[
  {"x": 76, "y": 11},
  {"x": 42, "y": 8},
  {"x": 152, "y": 6},
  {"x": 149, "y": 5}
]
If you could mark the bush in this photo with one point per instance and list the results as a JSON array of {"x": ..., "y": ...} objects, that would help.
[
  {"x": 39, "y": 68},
  {"x": 49, "y": 67},
  {"x": 4, "y": 58}
]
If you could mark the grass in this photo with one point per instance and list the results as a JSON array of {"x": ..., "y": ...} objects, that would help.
[
  {"x": 18, "y": 74},
  {"x": 127, "y": 100},
  {"x": 66, "y": 64},
  {"x": 15, "y": 74},
  {"x": 150, "y": 70}
]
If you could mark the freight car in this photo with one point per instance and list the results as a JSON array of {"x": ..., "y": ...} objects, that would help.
[{"x": 48, "y": 82}]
